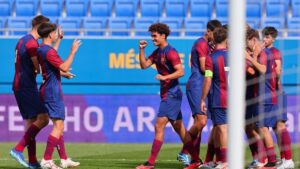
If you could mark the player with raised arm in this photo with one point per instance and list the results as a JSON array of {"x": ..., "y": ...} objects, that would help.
[
  {"x": 200, "y": 51},
  {"x": 26, "y": 93},
  {"x": 169, "y": 68},
  {"x": 283, "y": 137},
  {"x": 215, "y": 86},
  {"x": 53, "y": 67}
]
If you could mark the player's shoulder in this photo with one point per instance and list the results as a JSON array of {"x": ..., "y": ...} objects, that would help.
[{"x": 275, "y": 50}]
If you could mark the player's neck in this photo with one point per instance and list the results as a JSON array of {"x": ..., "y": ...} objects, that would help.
[
  {"x": 270, "y": 46},
  {"x": 47, "y": 41},
  {"x": 221, "y": 46},
  {"x": 34, "y": 34},
  {"x": 163, "y": 45},
  {"x": 205, "y": 37}
]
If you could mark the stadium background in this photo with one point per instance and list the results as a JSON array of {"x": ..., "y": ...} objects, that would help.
[{"x": 111, "y": 100}]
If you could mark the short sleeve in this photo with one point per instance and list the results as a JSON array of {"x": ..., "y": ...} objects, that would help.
[
  {"x": 153, "y": 55},
  {"x": 173, "y": 57},
  {"x": 262, "y": 58},
  {"x": 31, "y": 47},
  {"x": 53, "y": 58},
  {"x": 209, "y": 64},
  {"x": 202, "y": 49},
  {"x": 277, "y": 54}
]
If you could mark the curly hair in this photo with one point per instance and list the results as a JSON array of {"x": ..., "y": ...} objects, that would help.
[{"x": 160, "y": 28}]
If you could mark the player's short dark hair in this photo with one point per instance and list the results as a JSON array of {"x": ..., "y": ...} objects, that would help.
[
  {"x": 213, "y": 24},
  {"x": 160, "y": 28},
  {"x": 46, "y": 28},
  {"x": 220, "y": 34},
  {"x": 225, "y": 26},
  {"x": 252, "y": 33},
  {"x": 270, "y": 30},
  {"x": 36, "y": 21}
]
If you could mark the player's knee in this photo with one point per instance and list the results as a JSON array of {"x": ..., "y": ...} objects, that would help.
[
  {"x": 279, "y": 127},
  {"x": 44, "y": 120},
  {"x": 200, "y": 122}
]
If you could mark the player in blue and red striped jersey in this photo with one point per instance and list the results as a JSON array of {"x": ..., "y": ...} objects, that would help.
[
  {"x": 53, "y": 67},
  {"x": 26, "y": 93},
  {"x": 200, "y": 51},
  {"x": 215, "y": 87},
  {"x": 283, "y": 136},
  {"x": 254, "y": 50},
  {"x": 169, "y": 68},
  {"x": 267, "y": 91}
]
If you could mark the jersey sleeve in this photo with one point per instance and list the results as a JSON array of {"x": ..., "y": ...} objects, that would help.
[
  {"x": 262, "y": 58},
  {"x": 209, "y": 69},
  {"x": 153, "y": 54},
  {"x": 31, "y": 47},
  {"x": 53, "y": 58},
  {"x": 173, "y": 57},
  {"x": 277, "y": 54},
  {"x": 202, "y": 49}
]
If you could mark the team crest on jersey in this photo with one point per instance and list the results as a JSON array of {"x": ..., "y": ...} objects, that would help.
[{"x": 163, "y": 59}]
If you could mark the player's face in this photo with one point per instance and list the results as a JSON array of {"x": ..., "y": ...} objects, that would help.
[
  {"x": 157, "y": 38},
  {"x": 268, "y": 40},
  {"x": 251, "y": 43},
  {"x": 210, "y": 35},
  {"x": 53, "y": 35}
]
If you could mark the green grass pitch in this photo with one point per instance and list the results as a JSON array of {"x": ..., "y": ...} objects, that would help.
[{"x": 116, "y": 156}]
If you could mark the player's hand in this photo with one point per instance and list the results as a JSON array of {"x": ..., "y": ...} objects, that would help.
[
  {"x": 75, "y": 46},
  {"x": 248, "y": 56},
  {"x": 160, "y": 77},
  {"x": 60, "y": 33},
  {"x": 67, "y": 75},
  {"x": 257, "y": 48},
  {"x": 203, "y": 107},
  {"x": 143, "y": 44}
]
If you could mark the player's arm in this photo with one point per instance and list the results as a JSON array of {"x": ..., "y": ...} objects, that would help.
[
  {"x": 144, "y": 62},
  {"x": 249, "y": 69},
  {"x": 36, "y": 64},
  {"x": 65, "y": 66},
  {"x": 59, "y": 38},
  {"x": 202, "y": 50},
  {"x": 260, "y": 67},
  {"x": 207, "y": 83},
  {"x": 179, "y": 72},
  {"x": 31, "y": 48}
]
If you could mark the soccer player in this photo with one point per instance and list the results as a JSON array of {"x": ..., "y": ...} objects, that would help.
[
  {"x": 283, "y": 136},
  {"x": 200, "y": 51},
  {"x": 26, "y": 93},
  {"x": 267, "y": 90},
  {"x": 52, "y": 69},
  {"x": 256, "y": 144},
  {"x": 215, "y": 87},
  {"x": 169, "y": 69}
]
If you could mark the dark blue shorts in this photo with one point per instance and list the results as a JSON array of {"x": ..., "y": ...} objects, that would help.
[
  {"x": 56, "y": 109},
  {"x": 251, "y": 111},
  {"x": 282, "y": 107},
  {"x": 29, "y": 103},
  {"x": 194, "y": 98},
  {"x": 171, "y": 107},
  {"x": 268, "y": 116},
  {"x": 218, "y": 116}
]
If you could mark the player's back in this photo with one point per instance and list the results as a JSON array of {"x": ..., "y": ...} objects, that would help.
[
  {"x": 50, "y": 62},
  {"x": 218, "y": 91},
  {"x": 25, "y": 76}
]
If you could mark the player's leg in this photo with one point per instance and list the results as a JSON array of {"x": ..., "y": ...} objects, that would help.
[
  {"x": 210, "y": 152},
  {"x": 52, "y": 143},
  {"x": 220, "y": 123},
  {"x": 284, "y": 144},
  {"x": 160, "y": 125},
  {"x": 30, "y": 107}
]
